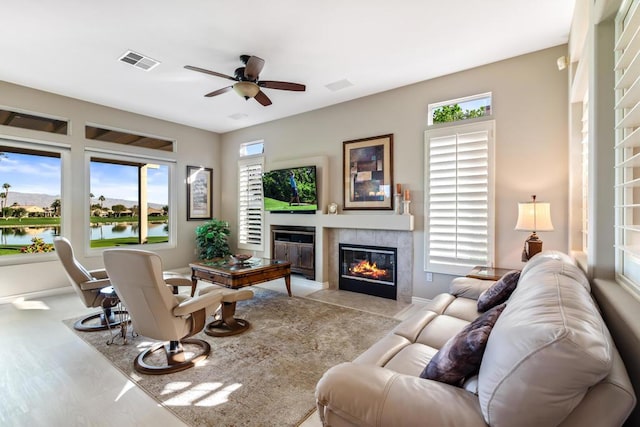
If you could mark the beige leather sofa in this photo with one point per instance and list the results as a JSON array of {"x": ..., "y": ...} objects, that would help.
[{"x": 549, "y": 361}]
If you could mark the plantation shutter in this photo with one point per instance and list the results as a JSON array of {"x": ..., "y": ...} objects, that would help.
[
  {"x": 250, "y": 204},
  {"x": 627, "y": 144},
  {"x": 459, "y": 199}
]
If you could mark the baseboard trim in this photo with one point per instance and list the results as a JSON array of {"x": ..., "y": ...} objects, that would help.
[
  {"x": 38, "y": 294},
  {"x": 418, "y": 300}
]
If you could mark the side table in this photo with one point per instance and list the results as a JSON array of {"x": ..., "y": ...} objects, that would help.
[
  {"x": 118, "y": 317},
  {"x": 488, "y": 273}
]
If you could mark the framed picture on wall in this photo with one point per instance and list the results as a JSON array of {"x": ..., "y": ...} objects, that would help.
[
  {"x": 199, "y": 193},
  {"x": 368, "y": 173}
]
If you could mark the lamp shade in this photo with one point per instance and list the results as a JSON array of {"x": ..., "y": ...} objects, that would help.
[
  {"x": 246, "y": 89},
  {"x": 534, "y": 216}
]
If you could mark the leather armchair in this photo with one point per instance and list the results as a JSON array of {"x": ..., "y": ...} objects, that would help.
[
  {"x": 87, "y": 284},
  {"x": 156, "y": 312}
]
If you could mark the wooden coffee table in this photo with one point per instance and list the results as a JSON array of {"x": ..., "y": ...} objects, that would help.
[
  {"x": 235, "y": 276},
  {"x": 238, "y": 275}
]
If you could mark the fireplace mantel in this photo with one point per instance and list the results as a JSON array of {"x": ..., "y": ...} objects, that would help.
[
  {"x": 365, "y": 226},
  {"x": 362, "y": 221}
]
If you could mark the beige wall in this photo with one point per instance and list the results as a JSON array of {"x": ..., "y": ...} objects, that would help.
[
  {"x": 530, "y": 106},
  {"x": 194, "y": 147}
]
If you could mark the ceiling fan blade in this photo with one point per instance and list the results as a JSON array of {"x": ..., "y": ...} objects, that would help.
[
  {"x": 219, "y": 91},
  {"x": 262, "y": 98},
  {"x": 253, "y": 68},
  {"x": 213, "y": 73},
  {"x": 270, "y": 84}
]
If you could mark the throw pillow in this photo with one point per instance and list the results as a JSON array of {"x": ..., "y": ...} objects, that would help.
[
  {"x": 499, "y": 292},
  {"x": 461, "y": 355}
]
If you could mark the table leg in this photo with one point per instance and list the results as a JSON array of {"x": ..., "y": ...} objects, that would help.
[
  {"x": 194, "y": 282},
  {"x": 287, "y": 281}
]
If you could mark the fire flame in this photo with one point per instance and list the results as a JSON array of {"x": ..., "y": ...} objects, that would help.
[{"x": 366, "y": 269}]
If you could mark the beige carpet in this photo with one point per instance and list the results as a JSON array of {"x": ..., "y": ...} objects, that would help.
[{"x": 265, "y": 376}]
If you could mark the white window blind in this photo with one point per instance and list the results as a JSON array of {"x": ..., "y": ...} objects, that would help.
[
  {"x": 250, "y": 204},
  {"x": 627, "y": 143},
  {"x": 459, "y": 198}
]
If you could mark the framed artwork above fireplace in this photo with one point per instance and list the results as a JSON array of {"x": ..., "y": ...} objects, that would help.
[{"x": 368, "y": 173}]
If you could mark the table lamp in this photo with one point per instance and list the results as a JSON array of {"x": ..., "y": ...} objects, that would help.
[{"x": 533, "y": 216}]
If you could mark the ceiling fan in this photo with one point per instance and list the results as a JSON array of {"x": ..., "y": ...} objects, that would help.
[{"x": 247, "y": 80}]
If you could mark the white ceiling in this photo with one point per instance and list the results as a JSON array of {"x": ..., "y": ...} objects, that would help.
[{"x": 72, "y": 47}]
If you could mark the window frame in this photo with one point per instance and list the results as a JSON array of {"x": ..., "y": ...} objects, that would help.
[
  {"x": 138, "y": 158},
  {"x": 461, "y": 268},
  {"x": 64, "y": 152},
  {"x": 432, "y": 107},
  {"x": 246, "y": 147},
  {"x": 627, "y": 144}
]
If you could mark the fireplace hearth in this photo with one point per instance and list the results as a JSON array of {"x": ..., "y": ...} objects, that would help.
[{"x": 368, "y": 269}]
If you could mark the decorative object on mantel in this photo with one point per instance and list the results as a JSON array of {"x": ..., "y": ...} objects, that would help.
[
  {"x": 533, "y": 216},
  {"x": 398, "y": 198},
  {"x": 332, "y": 208},
  {"x": 406, "y": 202},
  {"x": 368, "y": 173}
]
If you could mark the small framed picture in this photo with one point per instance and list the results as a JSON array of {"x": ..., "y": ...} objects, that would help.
[{"x": 199, "y": 193}]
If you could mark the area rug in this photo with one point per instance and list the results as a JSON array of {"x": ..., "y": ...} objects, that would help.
[{"x": 263, "y": 377}]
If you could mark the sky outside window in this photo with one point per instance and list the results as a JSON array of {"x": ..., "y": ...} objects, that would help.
[
  {"x": 28, "y": 173},
  {"x": 121, "y": 182}
]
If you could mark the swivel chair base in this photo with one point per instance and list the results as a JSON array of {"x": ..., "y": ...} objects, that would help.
[
  {"x": 107, "y": 320},
  {"x": 227, "y": 325},
  {"x": 174, "y": 352}
]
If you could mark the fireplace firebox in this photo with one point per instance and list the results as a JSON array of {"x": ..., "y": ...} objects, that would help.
[{"x": 368, "y": 269}]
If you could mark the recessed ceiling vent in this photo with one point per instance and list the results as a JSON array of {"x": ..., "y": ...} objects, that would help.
[
  {"x": 339, "y": 85},
  {"x": 139, "y": 61}
]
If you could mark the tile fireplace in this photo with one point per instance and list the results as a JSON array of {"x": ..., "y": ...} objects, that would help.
[{"x": 368, "y": 269}]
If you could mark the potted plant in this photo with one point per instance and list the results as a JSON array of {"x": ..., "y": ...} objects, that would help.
[{"x": 212, "y": 239}]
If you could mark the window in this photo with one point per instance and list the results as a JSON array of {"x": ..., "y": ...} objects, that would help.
[
  {"x": 250, "y": 204},
  {"x": 627, "y": 144},
  {"x": 38, "y": 122},
  {"x": 30, "y": 197},
  {"x": 459, "y": 201},
  {"x": 127, "y": 138},
  {"x": 469, "y": 107},
  {"x": 128, "y": 200},
  {"x": 251, "y": 148}
]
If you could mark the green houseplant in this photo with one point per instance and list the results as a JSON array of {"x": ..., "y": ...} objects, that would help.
[{"x": 212, "y": 239}]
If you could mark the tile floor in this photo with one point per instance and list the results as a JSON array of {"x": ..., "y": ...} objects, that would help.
[{"x": 50, "y": 377}]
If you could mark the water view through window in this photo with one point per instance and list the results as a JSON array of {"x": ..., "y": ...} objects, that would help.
[
  {"x": 123, "y": 194},
  {"x": 128, "y": 201}
]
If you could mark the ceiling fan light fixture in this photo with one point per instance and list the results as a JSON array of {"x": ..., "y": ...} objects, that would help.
[{"x": 246, "y": 89}]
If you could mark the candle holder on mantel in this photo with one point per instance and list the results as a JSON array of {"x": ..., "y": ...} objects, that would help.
[
  {"x": 405, "y": 204},
  {"x": 398, "y": 209}
]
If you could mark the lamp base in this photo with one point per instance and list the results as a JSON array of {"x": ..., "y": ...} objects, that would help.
[{"x": 532, "y": 246}]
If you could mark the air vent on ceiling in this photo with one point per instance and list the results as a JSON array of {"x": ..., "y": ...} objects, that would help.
[
  {"x": 238, "y": 116},
  {"x": 339, "y": 85},
  {"x": 139, "y": 61}
]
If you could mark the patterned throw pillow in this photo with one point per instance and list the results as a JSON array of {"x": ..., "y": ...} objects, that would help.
[
  {"x": 461, "y": 355},
  {"x": 499, "y": 292}
]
